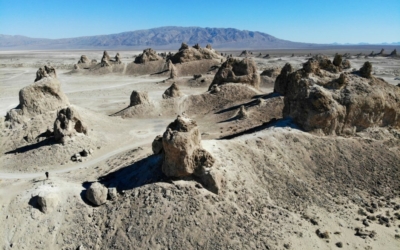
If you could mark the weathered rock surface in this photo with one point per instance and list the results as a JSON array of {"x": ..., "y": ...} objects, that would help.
[
  {"x": 40, "y": 97},
  {"x": 148, "y": 55},
  {"x": 46, "y": 71},
  {"x": 83, "y": 60},
  {"x": 105, "y": 60},
  {"x": 68, "y": 123},
  {"x": 97, "y": 194},
  {"x": 183, "y": 154},
  {"x": 139, "y": 98},
  {"x": 320, "y": 101},
  {"x": 47, "y": 201},
  {"x": 157, "y": 145},
  {"x": 366, "y": 70},
  {"x": 271, "y": 72},
  {"x": 237, "y": 71},
  {"x": 282, "y": 79},
  {"x": 172, "y": 92},
  {"x": 188, "y": 54}
]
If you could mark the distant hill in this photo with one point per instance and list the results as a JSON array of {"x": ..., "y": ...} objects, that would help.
[{"x": 159, "y": 38}]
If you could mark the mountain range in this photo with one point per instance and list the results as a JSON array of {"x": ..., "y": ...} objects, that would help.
[{"x": 160, "y": 38}]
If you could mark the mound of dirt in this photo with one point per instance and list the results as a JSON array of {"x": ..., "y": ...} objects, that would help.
[
  {"x": 172, "y": 92},
  {"x": 188, "y": 54},
  {"x": 68, "y": 123},
  {"x": 358, "y": 103},
  {"x": 237, "y": 71},
  {"x": 148, "y": 55}
]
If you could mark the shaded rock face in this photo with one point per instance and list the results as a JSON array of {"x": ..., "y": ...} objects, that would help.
[
  {"x": 40, "y": 97},
  {"x": 83, "y": 60},
  {"x": 105, "y": 60},
  {"x": 47, "y": 202},
  {"x": 68, "y": 123},
  {"x": 117, "y": 59},
  {"x": 394, "y": 53},
  {"x": 282, "y": 79},
  {"x": 97, "y": 194},
  {"x": 188, "y": 54},
  {"x": 148, "y": 55},
  {"x": 340, "y": 105},
  {"x": 237, "y": 71},
  {"x": 172, "y": 92},
  {"x": 366, "y": 70},
  {"x": 272, "y": 72},
  {"x": 46, "y": 71},
  {"x": 139, "y": 98}
]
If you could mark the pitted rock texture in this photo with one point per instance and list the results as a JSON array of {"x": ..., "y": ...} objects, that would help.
[
  {"x": 237, "y": 71},
  {"x": 68, "y": 123}
]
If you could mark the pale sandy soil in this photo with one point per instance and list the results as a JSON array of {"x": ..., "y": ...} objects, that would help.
[{"x": 279, "y": 179}]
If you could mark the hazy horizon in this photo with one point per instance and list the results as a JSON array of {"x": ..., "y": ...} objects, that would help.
[{"x": 299, "y": 21}]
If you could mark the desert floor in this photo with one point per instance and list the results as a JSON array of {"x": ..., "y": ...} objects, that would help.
[{"x": 273, "y": 198}]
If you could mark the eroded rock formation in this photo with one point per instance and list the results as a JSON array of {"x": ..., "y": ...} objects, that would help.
[
  {"x": 184, "y": 155},
  {"x": 321, "y": 101},
  {"x": 105, "y": 60},
  {"x": 237, "y": 71},
  {"x": 138, "y": 98},
  {"x": 188, "y": 54},
  {"x": 46, "y": 71},
  {"x": 172, "y": 92},
  {"x": 83, "y": 60},
  {"x": 40, "y": 97},
  {"x": 67, "y": 123},
  {"x": 148, "y": 55}
]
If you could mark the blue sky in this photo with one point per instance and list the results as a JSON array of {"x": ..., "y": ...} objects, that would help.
[{"x": 317, "y": 21}]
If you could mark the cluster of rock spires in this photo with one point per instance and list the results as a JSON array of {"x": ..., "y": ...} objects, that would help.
[
  {"x": 187, "y": 54},
  {"x": 184, "y": 156},
  {"x": 237, "y": 71},
  {"x": 43, "y": 97},
  {"x": 107, "y": 61},
  {"x": 319, "y": 99},
  {"x": 148, "y": 55}
]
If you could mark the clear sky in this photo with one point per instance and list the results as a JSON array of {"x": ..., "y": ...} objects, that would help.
[{"x": 316, "y": 21}]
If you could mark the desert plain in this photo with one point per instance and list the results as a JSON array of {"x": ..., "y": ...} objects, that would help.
[{"x": 278, "y": 176}]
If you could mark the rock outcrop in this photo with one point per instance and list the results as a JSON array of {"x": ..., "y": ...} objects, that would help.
[
  {"x": 366, "y": 70},
  {"x": 97, "y": 194},
  {"x": 242, "y": 113},
  {"x": 138, "y": 98},
  {"x": 47, "y": 201},
  {"x": 40, "y": 97},
  {"x": 184, "y": 155},
  {"x": 67, "y": 123},
  {"x": 172, "y": 69},
  {"x": 393, "y": 53},
  {"x": 148, "y": 55},
  {"x": 271, "y": 72},
  {"x": 188, "y": 54},
  {"x": 282, "y": 79},
  {"x": 172, "y": 92},
  {"x": 83, "y": 60},
  {"x": 46, "y": 71},
  {"x": 105, "y": 60},
  {"x": 237, "y": 71},
  {"x": 321, "y": 101},
  {"x": 117, "y": 59}
]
